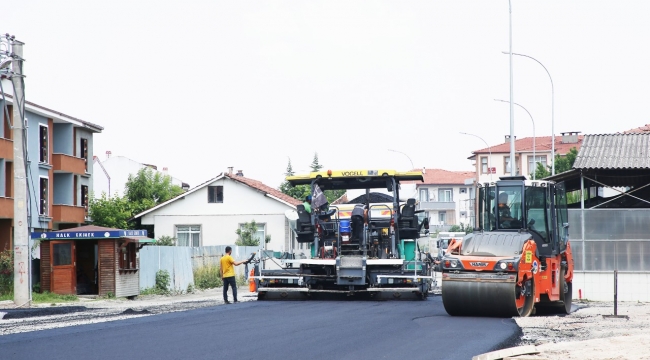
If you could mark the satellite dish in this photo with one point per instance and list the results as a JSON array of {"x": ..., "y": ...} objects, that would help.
[{"x": 292, "y": 217}]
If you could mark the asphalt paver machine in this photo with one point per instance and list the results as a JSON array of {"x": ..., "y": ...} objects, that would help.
[{"x": 362, "y": 254}]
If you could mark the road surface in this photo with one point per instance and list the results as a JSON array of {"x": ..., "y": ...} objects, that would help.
[{"x": 275, "y": 330}]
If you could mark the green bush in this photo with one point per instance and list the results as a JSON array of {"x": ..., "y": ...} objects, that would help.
[
  {"x": 6, "y": 271},
  {"x": 241, "y": 280},
  {"x": 208, "y": 277},
  {"x": 162, "y": 281},
  {"x": 165, "y": 241}
]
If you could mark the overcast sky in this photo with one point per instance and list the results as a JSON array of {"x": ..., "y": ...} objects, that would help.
[{"x": 198, "y": 86}]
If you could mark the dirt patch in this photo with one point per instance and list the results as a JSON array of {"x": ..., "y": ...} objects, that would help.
[{"x": 586, "y": 334}]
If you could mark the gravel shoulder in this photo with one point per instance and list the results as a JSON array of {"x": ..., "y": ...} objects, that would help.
[
  {"x": 91, "y": 311},
  {"x": 586, "y": 334}
]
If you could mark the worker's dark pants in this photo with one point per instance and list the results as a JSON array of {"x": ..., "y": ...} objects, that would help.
[{"x": 230, "y": 280}]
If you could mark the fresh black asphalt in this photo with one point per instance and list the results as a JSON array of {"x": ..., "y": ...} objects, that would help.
[{"x": 276, "y": 330}]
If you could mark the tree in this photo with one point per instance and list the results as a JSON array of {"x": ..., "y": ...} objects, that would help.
[
  {"x": 315, "y": 165},
  {"x": 301, "y": 191},
  {"x": 246, "y": 235},
  {"x": 147, "y": 189},
  {"x": 143, "y": 191},
  {"x": 298, "y": 192},
  {"x": 112, "y": 212},
  {"x": 562, "y": 164}
]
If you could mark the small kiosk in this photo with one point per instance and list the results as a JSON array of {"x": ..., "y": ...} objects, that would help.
[{"x": 91, "y": 260}]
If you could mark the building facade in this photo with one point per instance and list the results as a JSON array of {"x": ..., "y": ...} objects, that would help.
[
  {"x": 493, "y": 162},
  {"x": 446, "y": 197},
  {"x": 59, "y": 175}
]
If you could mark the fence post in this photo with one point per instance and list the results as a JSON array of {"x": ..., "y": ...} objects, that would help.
[{"x": 615, "y": 292}]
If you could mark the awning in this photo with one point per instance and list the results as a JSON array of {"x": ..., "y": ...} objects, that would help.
[{"x": 82, "y": 234}]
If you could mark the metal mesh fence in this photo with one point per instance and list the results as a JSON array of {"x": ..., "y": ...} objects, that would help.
[{"x": 610, "y": 239}]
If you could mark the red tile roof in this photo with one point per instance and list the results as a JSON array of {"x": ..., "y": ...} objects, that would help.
[
  {"x": 443, "y": 177},
  {"x": 258, "y": 185},
  {"x": 643, "y": 129},
  {"x": 542, "y": 143}
]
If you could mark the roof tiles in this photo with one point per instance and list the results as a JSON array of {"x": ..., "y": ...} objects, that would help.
[
  {"x": 258, "y": 185},
  {"x": 443, "y": 177}
]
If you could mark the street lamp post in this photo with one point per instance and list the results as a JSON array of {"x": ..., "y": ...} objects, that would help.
[
  {"x": 531, "y": 119},
  {"x": 489, "y": 150},
  {"x": 552, "y": 109},
  {"x": 412, "y": 167}
]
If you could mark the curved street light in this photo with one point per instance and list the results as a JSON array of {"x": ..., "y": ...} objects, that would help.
[
  {"x": 412, "y": 167},
  {"x": 489, "y": 149},
  {"x": 531, "y": 119},
  {"x": 552, "y": 108}
]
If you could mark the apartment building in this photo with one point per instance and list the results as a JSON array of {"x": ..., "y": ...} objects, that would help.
[
  {"x": 59, "y": 172},
  {"x": 494, "y": 161}
]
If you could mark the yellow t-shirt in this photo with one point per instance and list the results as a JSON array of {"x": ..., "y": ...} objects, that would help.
[{"x": 227, "y": 264}]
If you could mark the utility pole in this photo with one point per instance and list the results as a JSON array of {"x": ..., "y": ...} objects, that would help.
[
  {"x": 22, "y": 266},
  {"x": 513, "y": 163}
]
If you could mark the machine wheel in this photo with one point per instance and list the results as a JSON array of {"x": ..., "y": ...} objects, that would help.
[
  {"x": 498, "y": 299},
  {"x": 525, "y": 297},
  {"x": 566, "y": 293}
]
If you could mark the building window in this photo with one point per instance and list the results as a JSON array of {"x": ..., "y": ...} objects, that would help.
[
  {"x": 128, "y": 259},
  {"x": 506, "y": 164},
  {"x": 188, "y": 235},
  {"x": 260, "y": 235},
  {"x": 484, "y": 165},
  {"x": 44, "y": 198},
  {"x": 424, "y": 194},
  {"x": 445, "y": 195},
  {"x": 442, "y": 217},
  {"x": 541, "y": 159},
  {"x": 84, "y": 196},
  {"x": 83, "y": 143},
  {"x": 215, "y": 194},
  {"x": 43, "y": 144}
]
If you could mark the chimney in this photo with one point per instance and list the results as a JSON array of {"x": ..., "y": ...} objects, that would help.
[
  {"x": 165, "y": 170},
  {"x": 108, "y": 153},
  {"x": 240, "y": 173},
  {"x": 570, "y": 137},
  {"x": 424, "y": 170},
  {"x": 230, "y": 170},
  {"x": 508, "y": 138}
]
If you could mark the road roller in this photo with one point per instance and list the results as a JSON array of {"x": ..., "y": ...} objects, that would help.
[{"x": 518, "y": 259}]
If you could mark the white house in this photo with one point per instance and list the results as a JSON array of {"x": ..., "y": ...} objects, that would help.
[
  {"x": 210, "y": 213},
  {"x": 446, "y": 197},
  {"x": 112, "y": 174}
]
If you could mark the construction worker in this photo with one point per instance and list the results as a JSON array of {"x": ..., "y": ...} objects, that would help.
[
  {"x": 228, "y": 274},
  {"x": 307, "y": 204}
]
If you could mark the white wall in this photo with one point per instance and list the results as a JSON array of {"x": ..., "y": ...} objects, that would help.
[
  {"x": 599, "y": 286},
  {"x": 118, "y": 168},
  {"x": 220, "y": 220}
]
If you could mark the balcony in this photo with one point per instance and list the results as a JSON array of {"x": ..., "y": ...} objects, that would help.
[
  {"x": 6, "y": 208},
  {"x": 68, "y": 214},
  {"x": 68, "y": 164},
  {"x": 437, "y": 205},
  {"x": 6, "y": 149}
]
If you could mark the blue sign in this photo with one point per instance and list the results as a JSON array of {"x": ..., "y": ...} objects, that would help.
[{"x": 90, "y": 235}]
